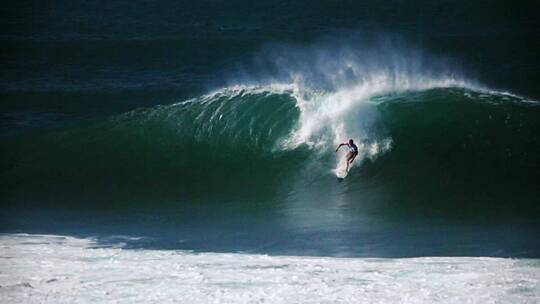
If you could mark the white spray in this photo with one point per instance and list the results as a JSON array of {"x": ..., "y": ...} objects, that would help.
[{"x": 334, "y": 84}]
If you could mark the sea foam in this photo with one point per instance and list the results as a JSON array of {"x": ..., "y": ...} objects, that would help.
[{"x": 60, "y": 269}]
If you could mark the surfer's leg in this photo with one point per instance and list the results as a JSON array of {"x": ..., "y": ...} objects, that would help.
[{"x": 348, "y": 159}]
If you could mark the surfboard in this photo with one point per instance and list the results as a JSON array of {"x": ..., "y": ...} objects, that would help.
[{"x": 341, "y": 171}]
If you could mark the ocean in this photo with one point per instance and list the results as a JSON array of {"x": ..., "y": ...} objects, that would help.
[{"x": 178, "y": 151}]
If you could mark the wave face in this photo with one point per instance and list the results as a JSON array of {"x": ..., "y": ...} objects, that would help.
[{"x": 209, "y": 144}]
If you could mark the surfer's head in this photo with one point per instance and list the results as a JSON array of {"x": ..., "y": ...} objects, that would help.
[{"x": 351, "y": 141}]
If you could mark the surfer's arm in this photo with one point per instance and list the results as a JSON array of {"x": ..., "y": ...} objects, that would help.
[{"x": 339, "y": 146}]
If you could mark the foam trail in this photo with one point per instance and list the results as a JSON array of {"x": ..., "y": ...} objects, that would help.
[{"x": 57, "y": 269}]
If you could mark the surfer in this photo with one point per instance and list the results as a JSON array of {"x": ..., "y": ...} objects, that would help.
[{"x": 353, "y": 151}]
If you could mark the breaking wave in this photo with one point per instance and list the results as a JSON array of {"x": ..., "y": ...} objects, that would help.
[{"x": 424, "y": 132}]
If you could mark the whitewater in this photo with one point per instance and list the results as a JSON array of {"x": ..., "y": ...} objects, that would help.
[{"x": 63, "y": 269}]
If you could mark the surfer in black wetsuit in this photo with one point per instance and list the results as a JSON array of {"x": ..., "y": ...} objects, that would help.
[{"x": 353, "y": 151}]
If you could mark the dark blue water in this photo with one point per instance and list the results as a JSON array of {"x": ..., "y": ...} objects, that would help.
[{"x": 97, "y": 139}]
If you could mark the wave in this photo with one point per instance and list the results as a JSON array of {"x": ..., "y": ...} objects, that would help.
[
  {"x": 257, "y": 142},
  {"x": 427, "y": 137}
]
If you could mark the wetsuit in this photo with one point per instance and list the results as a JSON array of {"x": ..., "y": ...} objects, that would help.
[{"x": 353, "y": 149}]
